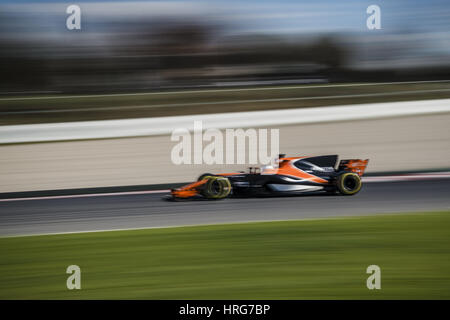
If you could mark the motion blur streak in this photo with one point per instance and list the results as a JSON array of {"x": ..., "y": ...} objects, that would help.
[
  {"x": 220, "y": 90},
  {"x": 396, "y": 144},
  {"x": 336, "y": 97},
  {"x": 150, "y": 211},
  {"x": 120, "y": 82},
  {"x": 391, "y": 178},
  {"x": 131, "y": 46}
]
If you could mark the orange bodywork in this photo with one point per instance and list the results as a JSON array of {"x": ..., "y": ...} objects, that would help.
[
  {"x": 357, "y": 166},
  {"x": 286, "y": 168},
  {"x": 189, "y": 190}
]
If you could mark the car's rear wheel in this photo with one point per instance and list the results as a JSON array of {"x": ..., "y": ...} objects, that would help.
[
  {"x": 348, "y": 183},
  {"x": 216, "y": 187}
]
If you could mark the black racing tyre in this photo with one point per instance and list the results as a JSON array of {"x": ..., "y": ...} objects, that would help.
[
  {"x": 203, "y": 176},
  {"x": 216, "y": 188},
  {"x": 348, "y": 183}
]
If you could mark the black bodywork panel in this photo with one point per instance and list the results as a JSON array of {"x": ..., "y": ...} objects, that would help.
[{"x": 255, "y": 184}]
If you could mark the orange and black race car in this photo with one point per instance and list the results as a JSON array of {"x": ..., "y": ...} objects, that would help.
[{"x": 294, "y": 175}]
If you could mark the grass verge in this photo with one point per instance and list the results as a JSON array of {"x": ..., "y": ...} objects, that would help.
[{"x": 315, "y": 259}]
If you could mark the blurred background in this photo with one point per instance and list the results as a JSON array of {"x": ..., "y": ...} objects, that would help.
[
  {"x": 145, "y": 59},
  {"x": 152, "y": 45},
  {"x": 158, "y": 60}
]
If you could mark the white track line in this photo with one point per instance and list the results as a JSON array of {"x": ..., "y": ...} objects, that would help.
[
  {"x": 86, "y": 195},
  {"x": 221, "y": 90},
  {"x": 404, "y": 177},
  {"x": 407, "y": 177},
  {"x": 204, "y": 224}
]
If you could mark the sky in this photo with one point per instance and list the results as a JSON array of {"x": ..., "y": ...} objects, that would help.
[{"x": 282, "y": 16}]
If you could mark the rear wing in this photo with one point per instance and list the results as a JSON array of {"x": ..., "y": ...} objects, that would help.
[{"x": 357, "y": 166}]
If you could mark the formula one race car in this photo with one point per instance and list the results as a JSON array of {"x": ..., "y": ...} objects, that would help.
[{"x": 295, "y": 175}]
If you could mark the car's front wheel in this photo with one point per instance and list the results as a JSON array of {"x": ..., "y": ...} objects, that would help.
[{"x": 216, "y": 187}]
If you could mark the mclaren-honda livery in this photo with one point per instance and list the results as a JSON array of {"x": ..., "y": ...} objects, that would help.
[{"x": 294, "y": 175}]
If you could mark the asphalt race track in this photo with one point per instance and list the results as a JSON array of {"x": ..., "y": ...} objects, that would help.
[{"x": 26, "y": 217}]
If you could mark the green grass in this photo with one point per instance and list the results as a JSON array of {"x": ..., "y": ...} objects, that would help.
[{"x": 315, "y": 259}]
